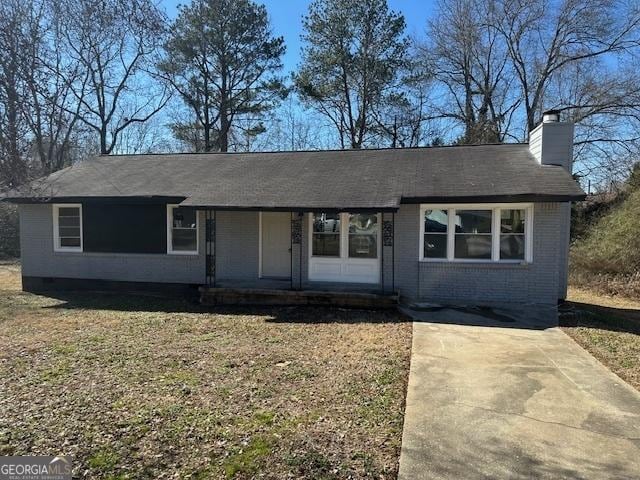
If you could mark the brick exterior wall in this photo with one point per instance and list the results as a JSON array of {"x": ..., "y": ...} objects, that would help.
[
  {"x": 483, "y": 283},
  {"x": 237, "y": 240},
  {"x": 237, "y": 257},
  {"x": 39, "y": 259}
]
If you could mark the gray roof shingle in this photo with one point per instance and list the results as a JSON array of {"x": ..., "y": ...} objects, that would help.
[{"x": 338, "y": 179}]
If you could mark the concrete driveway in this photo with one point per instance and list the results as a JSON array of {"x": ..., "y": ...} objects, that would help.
[{"x": 490, "y": 397}]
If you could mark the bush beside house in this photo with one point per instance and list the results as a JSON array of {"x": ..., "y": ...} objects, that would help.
[
  {"x": 9, "y": 231},
  {"x": 606, "y": 256}
]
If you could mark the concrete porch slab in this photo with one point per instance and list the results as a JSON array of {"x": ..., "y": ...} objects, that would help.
[{"x": 517, "y": 316}]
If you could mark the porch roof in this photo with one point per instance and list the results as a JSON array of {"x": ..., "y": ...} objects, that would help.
[{"x": 331, "y": 180}]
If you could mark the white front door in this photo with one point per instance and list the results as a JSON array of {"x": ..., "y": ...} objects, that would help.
[
  {"x": 344, "y": 247},
  {"x": 275, "y": 241}
]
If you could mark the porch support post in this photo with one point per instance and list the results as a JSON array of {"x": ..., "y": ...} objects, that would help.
[
  {"x": 210, "y": 247},
  {"x": 387, "y": 259},
  {"x": 297, "y": 229}
]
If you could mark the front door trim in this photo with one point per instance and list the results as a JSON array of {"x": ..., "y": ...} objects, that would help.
[{"x": 260, "y": 246}]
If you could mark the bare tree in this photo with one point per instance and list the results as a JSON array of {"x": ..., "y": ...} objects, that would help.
[
  {"x": 114, "y": 41},
  {"x": 498, "y": 64},
  {"x": 13, "y": 128},
  {"x": 50, "y": 108},
  {"x": 406, "y": 116},
  {"x": 574, "y": 56},
  {"x": 145, "y": 137},
  {"x": 467, "y": 57},
  {"x": 292, "y": 128},
  {"x": 547, "y": 38}
]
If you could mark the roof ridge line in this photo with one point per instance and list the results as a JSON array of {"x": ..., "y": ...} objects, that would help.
[{"x": 377, "y": 149}]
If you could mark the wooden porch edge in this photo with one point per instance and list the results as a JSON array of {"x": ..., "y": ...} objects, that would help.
[{"x": 256, "y": 296}]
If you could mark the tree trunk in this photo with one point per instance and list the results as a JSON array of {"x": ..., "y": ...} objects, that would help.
[
  {"x": 207, "y": 134},
  {"x": 223, "y": 134},
  {"x": 16, "y": 169},
  {"x": 16, "y": 172},
  {"x": 103, "y": 140},
  {"x": 223, "y": 138}
]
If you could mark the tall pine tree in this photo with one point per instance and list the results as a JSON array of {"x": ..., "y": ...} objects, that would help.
[
  {"x": 222, "y": 59},
  {"x": 353, "y": 52}
]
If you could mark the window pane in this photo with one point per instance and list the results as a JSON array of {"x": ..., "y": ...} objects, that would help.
[
  {"x": 69, "y": 212},
  {"x": 473, "y": 221},
  {"x": 363, "y": 224},
  {"x": 184, "y": 240},
  {"x": 473, "y": 246},
  {"x": 184, "y": 217},
  {"x": 69, "y": 221},
  {"x": 363, "y": 246},
  {"x": 70, "y": 242},
  {"x": 512, "y": 247},
  {"x": 512, "y": 221},
  {"x": 435, "y": 221},
  {"x": 69, "y": 231},
  {"x": 326, "y": 245},
  {"x": 69, "y": 227},
  {"x": 435, "y": 245},
  {"x": 326, "y": 222},
  {"x": 363, "y": 236}
]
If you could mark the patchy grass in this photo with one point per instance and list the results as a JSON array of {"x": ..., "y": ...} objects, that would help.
[
  {"x": 609, "y": 328},
  {"x": 606, "y": 284},
  {"x": 248, "y": 459},
  {"x": 104, "y": 460},
  {"x": 146, "y": 387}
]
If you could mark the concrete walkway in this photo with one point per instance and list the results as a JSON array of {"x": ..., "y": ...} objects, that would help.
[{"x": 494, "y": 398}]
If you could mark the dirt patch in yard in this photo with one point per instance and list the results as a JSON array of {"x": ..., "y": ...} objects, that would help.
[
  {"x": 144, "y": 387},
  {"x": 10, "y": 279},
  {"x": 609, "y": 328}
]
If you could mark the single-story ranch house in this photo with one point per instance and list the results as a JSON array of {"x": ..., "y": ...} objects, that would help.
[{"x": 483, "y": 224}]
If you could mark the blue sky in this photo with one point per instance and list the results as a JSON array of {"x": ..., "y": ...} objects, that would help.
[{"x": 286, "y": 20}]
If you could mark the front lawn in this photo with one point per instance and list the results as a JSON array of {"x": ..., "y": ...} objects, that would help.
[
  {"x": 145, "y": 387},
  {"x": 609, "y": 328}
]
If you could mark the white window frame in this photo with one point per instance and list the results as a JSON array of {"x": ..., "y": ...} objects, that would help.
[
  {"x": 170, "y": 249},
  {"x": 344, "y": 238},
  {"x": 56, "y": 228},
  {"x": 495, "y": 231}
]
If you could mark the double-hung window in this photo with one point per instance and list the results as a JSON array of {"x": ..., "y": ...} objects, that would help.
[
  {"x": 513, "y": 235},
  {"x": 498, "y": 233},
  {"x": 326, "y": 235},
  {"x": 182, "y": 230},
  {"x": 435, "y": 233},
  {"x": 473, "y": 234},
  {"x": 67, "y": 226}
]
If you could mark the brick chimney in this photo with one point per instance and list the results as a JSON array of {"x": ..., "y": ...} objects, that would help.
[{"x": 551, "y": 142}]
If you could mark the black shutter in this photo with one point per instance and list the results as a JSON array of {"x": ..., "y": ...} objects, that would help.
[{"x": 124, "y": 228}]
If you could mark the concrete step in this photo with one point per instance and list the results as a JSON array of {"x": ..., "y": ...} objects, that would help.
[{"x": 258, "y": 296}]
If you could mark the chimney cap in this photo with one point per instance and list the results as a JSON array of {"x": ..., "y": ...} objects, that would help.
[{"x": 551, "y": 116}]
